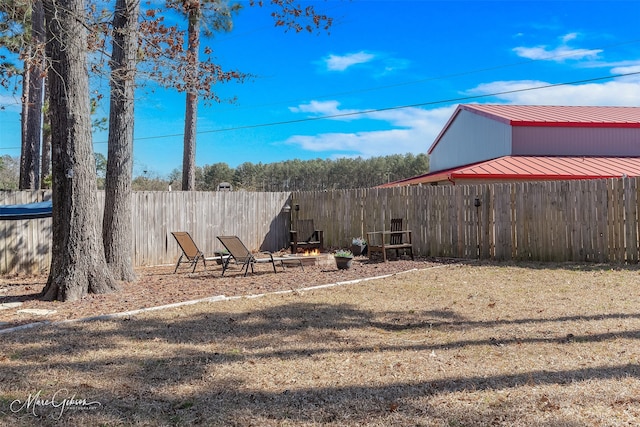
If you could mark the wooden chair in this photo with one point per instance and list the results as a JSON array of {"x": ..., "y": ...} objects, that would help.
[
  {"x": 395, "y": 239},
  {"x": 305, "y": 236}
]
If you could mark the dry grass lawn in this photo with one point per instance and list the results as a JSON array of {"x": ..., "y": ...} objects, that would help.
[{"x": 454, "y": 345}]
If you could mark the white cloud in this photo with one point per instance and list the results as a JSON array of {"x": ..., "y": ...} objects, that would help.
[
  {"x": 569, "y": 37},
  {"x": 342, "y": 62},
  {"x": 411, "y": 130},
  {"x": 627, "y": 69},
  {"x": 380, "y": 64},
  {"x": 559, "y": 53},
  {"x": 321, "y": 108},
  {"x": 618, "y": 92}
]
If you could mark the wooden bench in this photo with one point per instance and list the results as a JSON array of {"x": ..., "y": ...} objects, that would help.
[{"x": 395, "y": 239}]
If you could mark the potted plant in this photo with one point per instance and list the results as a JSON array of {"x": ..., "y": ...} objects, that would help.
[
  {"x": 358, "y": 246},
  {"x": 343, "y": 259},
  {"x": 221, "y": 256}
]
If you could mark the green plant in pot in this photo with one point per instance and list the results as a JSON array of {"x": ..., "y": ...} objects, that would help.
[
  {"x": 221, "y": 255},
  {"x": 358, "y": 246},
  {"x": 343, "y": 259}
]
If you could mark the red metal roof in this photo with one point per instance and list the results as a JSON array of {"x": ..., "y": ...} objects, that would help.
[
  {"x": 511, "y": 168},
  {"x": 549, "y": 115}
]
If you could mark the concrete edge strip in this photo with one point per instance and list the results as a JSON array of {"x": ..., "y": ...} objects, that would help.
[
  {"x": 144, "y": 310},
  {"x": 115, "y": 315},
  {"x": 216, "y": 298},
  {"x": 325, "y": 286},
  {"x": 23, "y": 327}
]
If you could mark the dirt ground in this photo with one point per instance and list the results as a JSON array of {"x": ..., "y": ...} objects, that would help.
[
  {"x": 159, "y": 286},
  {"x": 443, "y": 344}
]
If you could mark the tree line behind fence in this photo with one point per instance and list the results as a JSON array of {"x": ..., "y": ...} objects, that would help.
[{"x": 587, "y": 220}]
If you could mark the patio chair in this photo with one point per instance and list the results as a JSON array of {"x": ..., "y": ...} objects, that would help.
[
  {"x": 190, "y": 251},
  {"x": 239, "y": 252},
  {"x": 305, "y": 236},
  {"x": 396, "y": 239}
]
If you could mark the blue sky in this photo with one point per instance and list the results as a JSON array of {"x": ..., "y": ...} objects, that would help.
[{"x": 425, "y": 56}]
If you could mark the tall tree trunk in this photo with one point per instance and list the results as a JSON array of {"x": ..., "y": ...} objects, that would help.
[
  {"x": 24, "y": 149},
  {"x": 191, "y": 113},
  {"x": 78, "y": 264},
  {"x": 116, "y": 225},
  {"x": 46, "y": 141},
  {"x": 30, "y": 174}
]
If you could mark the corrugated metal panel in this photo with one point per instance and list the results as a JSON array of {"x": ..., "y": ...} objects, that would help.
[
  {"x": 552, "y": 167},
  {"x": 549, "y": 115},
  {"x": 472, "y": 138},
  {"x": 574, "y": 141},
  {"x": 534, "y": 168}
]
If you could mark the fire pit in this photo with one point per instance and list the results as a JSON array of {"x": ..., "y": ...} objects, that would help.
[{"x": 312, "y": 258}]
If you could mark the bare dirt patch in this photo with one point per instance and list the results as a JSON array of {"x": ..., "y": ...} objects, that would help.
[
  {"x": 452, "y": 345},
  {"x": 158, "y": 286}
]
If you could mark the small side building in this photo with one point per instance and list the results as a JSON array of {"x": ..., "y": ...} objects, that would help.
[{"x": 495, "y": 143}]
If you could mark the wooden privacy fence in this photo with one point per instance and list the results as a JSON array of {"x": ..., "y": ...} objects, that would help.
[
  {"x": 584, "y": 220},
  {"x": 25, "y": 245},
  {"x": 257, "y": 218},
  {"x": 590, "y": 220}
]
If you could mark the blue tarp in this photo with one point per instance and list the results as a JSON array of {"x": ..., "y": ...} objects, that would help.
[{"x": 27, "y": 211}]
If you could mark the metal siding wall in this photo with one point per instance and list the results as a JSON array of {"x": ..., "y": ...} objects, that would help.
[
  {"x": 471, "y": 138},
  {"x": 575, "y": 141}
]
